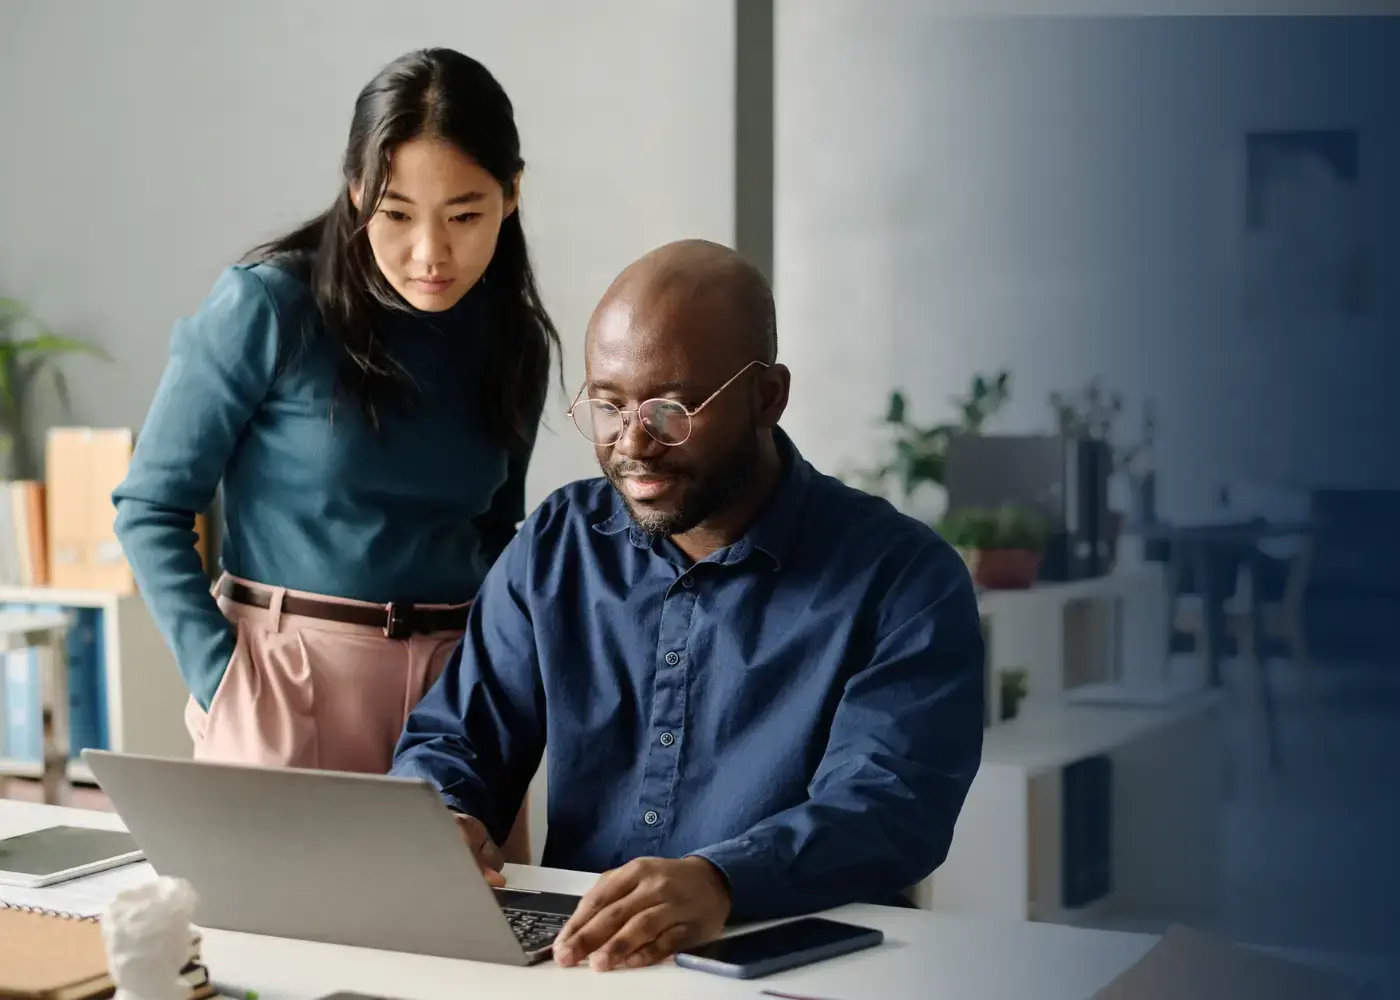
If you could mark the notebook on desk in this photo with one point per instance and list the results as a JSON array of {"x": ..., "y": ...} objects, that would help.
[{"x": 47, "y": 955}]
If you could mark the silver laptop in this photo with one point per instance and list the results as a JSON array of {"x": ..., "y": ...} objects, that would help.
[{"x": 352, "y": 859}]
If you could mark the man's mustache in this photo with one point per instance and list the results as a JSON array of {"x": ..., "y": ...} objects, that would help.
[{"x": 629, "y": 470}]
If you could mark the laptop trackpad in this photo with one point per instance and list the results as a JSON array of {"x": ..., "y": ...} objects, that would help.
[{"x": 536, "y": 902}]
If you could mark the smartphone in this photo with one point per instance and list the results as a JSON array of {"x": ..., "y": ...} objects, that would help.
[{"x": 774, "y": 949}]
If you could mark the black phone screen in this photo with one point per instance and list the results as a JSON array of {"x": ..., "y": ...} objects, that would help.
[{"x": 752, "y": 947}]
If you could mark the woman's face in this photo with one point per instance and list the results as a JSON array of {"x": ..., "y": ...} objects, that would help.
[{"x": 436, "y": 227}]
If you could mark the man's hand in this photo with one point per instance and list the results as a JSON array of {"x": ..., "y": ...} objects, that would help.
[
  {"x": 645, "y": 911},
  {"x": 488, "y": 855}
]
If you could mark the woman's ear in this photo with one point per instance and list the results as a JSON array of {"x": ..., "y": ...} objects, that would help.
[
  {"x": 513, "y": 198},
  {"x": 357, "y": 195}
]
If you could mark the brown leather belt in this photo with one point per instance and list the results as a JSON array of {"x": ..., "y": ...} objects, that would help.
[{"x": 399, "y": 621}]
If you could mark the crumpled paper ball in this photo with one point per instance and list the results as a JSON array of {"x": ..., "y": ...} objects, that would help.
[{"x": 148, "y": 931}]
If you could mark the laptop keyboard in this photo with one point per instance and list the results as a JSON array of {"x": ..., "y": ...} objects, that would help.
[{"x": 534, "y": 930}]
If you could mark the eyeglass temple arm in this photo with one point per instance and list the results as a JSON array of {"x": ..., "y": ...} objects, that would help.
[
  {"x": 727, "y": 384},
  {"x": 579, "y": 395}
]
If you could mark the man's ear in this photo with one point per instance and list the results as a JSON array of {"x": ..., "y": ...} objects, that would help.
[{"x": 774, "y": 385}]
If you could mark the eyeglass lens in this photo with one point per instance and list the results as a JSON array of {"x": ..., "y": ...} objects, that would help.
[{"x": 602, "y": 423}]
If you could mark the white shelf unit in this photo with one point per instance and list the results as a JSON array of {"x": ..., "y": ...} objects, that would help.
[
  {"x": 146, "y": 696},
  {"x": 1168, "y": 813},
  {"x": 1102, "y": 639}
]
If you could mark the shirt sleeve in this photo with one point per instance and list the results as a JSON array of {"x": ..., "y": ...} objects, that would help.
[
  {"x": 498, "y": 525},
  {"x": 222, "y": 361},
  {"x": 477, "y": 736},
  {"x": 905, "y": 744}
]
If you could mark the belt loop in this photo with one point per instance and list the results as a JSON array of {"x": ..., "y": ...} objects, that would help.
[{"x": 274, "y": 609}]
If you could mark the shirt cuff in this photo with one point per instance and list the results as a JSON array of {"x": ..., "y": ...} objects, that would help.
[
  {"x": 755, "y": 889},
  {"x": 456, "y": 796}
]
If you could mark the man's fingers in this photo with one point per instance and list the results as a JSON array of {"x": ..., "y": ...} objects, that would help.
[
  {"x": 491, "y": 855},
  {"x": 488, "y": 855},
  {"x": 666, "y": 944},
  {"x": 611, "y": 887},
  {"x": 640, "y": 930},
  {"x": 599, "y": 930},
  {"x": 473, "y": 831}
]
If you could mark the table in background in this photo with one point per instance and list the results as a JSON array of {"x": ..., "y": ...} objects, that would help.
[{"x": 1215, "y": 553}]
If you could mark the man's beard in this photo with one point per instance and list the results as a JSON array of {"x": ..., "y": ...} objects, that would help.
[{"x": 701, "y": 497}]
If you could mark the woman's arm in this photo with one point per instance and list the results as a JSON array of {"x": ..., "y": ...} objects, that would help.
[
  {"x": 222, "y": 361},
  {"x": 497, "y": 526}
]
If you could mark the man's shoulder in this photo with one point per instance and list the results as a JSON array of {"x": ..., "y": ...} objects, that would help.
[
  {"x": 905, "y": 562},
  {"x": 870, "y": 521},
  {"x": 583, "y": 503}
]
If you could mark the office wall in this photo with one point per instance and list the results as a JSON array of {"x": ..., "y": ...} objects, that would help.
[
  {"x": 1063, "y": 197},
  {"x": 147, "y": 143}
]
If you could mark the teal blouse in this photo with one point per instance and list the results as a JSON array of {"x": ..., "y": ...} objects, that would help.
[{"x": 313, "y": 499}]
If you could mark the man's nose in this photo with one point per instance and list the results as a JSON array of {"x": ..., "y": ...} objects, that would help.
[{"x": 635, "y": 442}]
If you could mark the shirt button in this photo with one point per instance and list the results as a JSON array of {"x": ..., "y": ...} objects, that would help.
[
  {"x": 667, "y": 739},
  {"x": 673, "y": 658},
  {"x": 650, "y": 819},
  {"x": 687, "y": 582}
]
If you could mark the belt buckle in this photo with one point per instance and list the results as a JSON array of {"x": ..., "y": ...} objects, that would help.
[{"x": 396, "y": 624}]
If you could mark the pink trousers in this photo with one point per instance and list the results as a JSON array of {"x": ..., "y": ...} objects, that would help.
[{"x": 307, "y": 692}]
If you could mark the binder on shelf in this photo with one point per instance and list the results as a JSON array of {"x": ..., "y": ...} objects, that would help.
[
  {"x": 85, "y": 464},
  {"x": 24, "y": 559},
  {"x": 21, "y": 731}
]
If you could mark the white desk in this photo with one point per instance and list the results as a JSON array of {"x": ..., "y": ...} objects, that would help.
[{"x": 926, "y": 955}]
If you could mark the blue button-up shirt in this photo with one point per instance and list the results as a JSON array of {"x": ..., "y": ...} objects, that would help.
[{"x": 803, "y": 708}]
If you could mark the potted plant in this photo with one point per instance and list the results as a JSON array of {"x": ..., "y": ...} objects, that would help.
[
  {"x": 1092, "y": 412},
  {"x": 28, "y": 349},
  {"x": 1014, "y": 688},
  {"x": 1002, "y": 546},
  {"x": 917, "y": 454}
]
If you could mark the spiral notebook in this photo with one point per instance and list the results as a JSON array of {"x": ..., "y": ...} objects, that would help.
[{"x": 54, "y": 955}]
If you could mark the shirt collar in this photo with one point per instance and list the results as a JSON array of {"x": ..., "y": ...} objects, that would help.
[{"x": 773, "y": 531}]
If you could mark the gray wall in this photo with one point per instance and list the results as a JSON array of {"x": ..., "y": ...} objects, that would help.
[
  {"x": 1063, "y": 197},
  {"x": 147, "y": 143}
]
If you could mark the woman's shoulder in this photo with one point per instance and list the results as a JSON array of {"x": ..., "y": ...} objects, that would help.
[
  {"x": 258, "y": 308},
  {"x": 283, "y": 279}
]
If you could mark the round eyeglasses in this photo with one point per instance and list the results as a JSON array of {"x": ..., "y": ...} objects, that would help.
[{"x": 665, "y": 420}]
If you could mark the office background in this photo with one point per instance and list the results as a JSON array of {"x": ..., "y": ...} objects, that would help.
[{"x": 935, "y": 197}]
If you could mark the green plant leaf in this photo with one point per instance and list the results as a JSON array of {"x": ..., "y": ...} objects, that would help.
[
  {"x": 895, "y": 413},
  {"x": 52, "y": 343},
  {"x": 7, "y": 393},
  {"x": 60, "y": 388}
]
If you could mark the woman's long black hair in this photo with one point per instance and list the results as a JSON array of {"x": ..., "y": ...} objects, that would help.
[{"x": 446, "y": 95}]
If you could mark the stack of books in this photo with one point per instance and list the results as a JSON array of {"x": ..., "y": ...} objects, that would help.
[
  {"x": 49, "y": 955},
  {"x": 24, "y": 552}
]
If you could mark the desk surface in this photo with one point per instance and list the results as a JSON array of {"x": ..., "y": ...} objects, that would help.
[
  {"x": 925, "y": 954},
  {"x": 1045, "y": 737}
]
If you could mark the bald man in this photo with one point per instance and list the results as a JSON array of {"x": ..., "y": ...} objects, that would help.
[{"x": 761, "y": 689}]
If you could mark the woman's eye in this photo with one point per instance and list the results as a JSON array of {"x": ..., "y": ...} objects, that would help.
[
  {"x": 466, "y": 217},
  {"x": 394, "y": 215}
]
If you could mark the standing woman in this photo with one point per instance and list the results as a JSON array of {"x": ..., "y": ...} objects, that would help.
[{"x": 366, "y": 390}]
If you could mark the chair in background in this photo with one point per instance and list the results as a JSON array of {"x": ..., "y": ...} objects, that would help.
[{"x": 1258, "y": 623}]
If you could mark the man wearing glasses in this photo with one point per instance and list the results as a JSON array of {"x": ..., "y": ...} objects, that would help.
[{"x": 761, "y": 690}]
